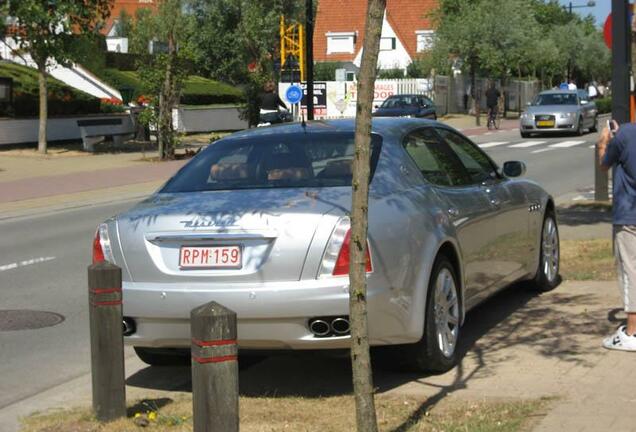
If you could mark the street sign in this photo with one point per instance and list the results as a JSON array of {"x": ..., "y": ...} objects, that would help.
[
  {"x": 294, "y": 94},
  {"x": 607, "y": 27}
]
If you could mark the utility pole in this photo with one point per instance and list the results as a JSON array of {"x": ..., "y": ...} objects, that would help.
[
  {"x": 621, "y": 61},
  {"x": 309, "y": 56}
]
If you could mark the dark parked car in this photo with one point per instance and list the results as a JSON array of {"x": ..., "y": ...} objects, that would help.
[{"x": 407, "y": 105}]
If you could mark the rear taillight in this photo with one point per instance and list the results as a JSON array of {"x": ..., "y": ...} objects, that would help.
[
  {"x": 336, "y": 259},
  {"x": 101, "y": 245}
]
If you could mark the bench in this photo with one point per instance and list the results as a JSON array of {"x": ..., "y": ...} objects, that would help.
[{"x": 94, "y": 131}]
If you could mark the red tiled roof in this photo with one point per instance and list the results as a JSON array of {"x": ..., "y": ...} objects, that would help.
[
  {"x": 339, "y": 16},
  {"x": 405, "y": 16}
]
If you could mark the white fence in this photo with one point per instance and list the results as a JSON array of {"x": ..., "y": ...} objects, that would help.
[{"x": 18, "y": 131}]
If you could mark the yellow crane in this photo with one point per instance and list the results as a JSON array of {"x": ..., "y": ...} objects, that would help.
[{"x": 292, "y": 45}]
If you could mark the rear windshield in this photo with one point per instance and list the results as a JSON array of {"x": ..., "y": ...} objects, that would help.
[{"x": 277, "y": 161}]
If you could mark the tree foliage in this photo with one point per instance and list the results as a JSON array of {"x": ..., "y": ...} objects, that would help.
[
  {"x": 49, "y": 31},
  {"x": 234, "y": 33},
  {"x": 164, "y": 72},
  {"x": 502, "y": 38}
]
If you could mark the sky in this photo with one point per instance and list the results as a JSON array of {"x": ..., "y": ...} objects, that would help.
[{"x": 600, "y": 11}]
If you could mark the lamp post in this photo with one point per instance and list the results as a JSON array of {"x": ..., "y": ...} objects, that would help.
[{"x": 590, "y": 3}]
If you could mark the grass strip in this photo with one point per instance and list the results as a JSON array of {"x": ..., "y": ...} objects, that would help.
[{"x": 327, "y": 414}]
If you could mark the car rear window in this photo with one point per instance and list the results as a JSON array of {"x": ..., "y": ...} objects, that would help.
[{"x": 274, "y": 161}]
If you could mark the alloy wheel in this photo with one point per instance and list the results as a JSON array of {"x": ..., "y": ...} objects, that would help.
[
  {"x": 446, "y": 312},
  {"x": 550, "y": 248}
]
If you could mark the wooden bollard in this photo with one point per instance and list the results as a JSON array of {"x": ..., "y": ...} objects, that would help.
[
  {"x": 107, "y": 341},
  {"x": 215, "y": 396}
]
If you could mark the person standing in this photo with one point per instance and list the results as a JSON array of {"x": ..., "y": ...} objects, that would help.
[
  {"x": 572, "y": 85},
  {"x": 619, "y": 152}
]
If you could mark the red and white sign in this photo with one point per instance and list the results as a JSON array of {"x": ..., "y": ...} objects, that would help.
[
  {"x": 210, "y": 257},
  {"x": 607, "y": 27}
]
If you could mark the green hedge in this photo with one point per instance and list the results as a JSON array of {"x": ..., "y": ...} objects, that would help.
[
  {"x": 62, "y": 100},
  {"x": 604, "y": 105},
  {"x": 197, "y": 90}
]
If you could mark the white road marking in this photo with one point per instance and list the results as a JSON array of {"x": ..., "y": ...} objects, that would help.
[
  {"x": 566, "y": 144},
  {"x": 488, "y": 133},
  {"x": 592, "y": 146},
  {"x": 472, "y": 136},
  {"x": 493, "y": 144},
  {"x": 543, "y": 150},
  {"x": 25, "y": 263},
  {"x": 527, "y": 144}
]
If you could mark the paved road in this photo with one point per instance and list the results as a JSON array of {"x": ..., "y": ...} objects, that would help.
[
  {"x": 562, "y": 164},
  {"x": 43, "y": 263}
]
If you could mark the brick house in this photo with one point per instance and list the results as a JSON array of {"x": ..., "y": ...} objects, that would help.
[{"x": 406, "y": 31}]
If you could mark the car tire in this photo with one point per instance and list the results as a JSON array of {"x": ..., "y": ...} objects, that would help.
[
  {"x": 525, "y": 135},
  {"x": 431, "y": 354},
  {"x": 594, "y": 127},
  {"x": 547, "y": 277},
  {"x": 579, "y": 127},
  {"x": 162, "y": 356}
]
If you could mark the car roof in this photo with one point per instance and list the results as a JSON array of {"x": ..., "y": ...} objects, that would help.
[
  {"x": 387, "y": 127},
  {"x": 559, "y": 92},
  {"x": 407, "y": 95}
]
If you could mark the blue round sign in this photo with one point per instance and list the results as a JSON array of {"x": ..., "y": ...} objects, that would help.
[{"x": 294, "y": 94}]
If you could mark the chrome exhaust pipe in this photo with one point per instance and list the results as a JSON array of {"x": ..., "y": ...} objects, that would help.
[
  {"x": 340, "y": 326},
  {"x": 319, "y": 327},
  {"x": 128, "y": 326}
]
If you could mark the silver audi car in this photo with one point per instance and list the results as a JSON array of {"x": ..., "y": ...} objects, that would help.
[
  {"x": 259, "y": 222},
  {"x": 559, "y": 111}
]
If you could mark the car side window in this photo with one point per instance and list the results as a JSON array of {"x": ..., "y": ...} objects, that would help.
[
  {"x": 433, "y": 158},
  {"x": 478, "y": 165}
]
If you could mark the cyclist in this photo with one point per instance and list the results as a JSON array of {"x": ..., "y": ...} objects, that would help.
[
  {"x": 271, "y": 104},
  {"x": 492, "y": 100}
]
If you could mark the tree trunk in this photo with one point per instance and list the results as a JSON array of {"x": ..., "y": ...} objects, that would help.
[
  {"x": 42, "y": 145},
  {"x": 476, "y": 92},
  {"x": 360, "y": 356},
  {"x": 166, "y": 104}
]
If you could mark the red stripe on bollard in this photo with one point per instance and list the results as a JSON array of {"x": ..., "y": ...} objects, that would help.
[
  {"x": 105, "y": 290},
  {"x": 213, "y": 342},
  {"x": 219, "y": 359},
  {"x": 107, "y": 303}
]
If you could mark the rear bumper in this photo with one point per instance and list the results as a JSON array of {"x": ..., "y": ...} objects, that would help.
[{"x": 272, "y": 316}]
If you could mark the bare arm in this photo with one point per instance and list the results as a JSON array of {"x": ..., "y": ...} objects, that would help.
[{"x": 603, "y": 141}]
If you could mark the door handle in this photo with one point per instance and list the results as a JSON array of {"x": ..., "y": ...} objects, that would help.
[
  {"x": 453, "y": 212},
  {"x": 495, "y": 201}
]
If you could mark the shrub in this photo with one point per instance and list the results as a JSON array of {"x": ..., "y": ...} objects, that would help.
[
  {"x": 604, "y": 105},
  {"x": 62, "y": 100},
  {"x": 326, "y": 71},
  {"x": 391, "y": 73}
]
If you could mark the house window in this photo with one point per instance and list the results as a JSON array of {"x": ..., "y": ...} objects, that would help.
[
  {"x": 387, "y": 44},
  {"x": 340, "y": 42},
  {"x": 424, "y": 39}
]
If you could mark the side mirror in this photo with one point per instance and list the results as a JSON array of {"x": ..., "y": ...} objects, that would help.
[{"x": 514, "y": 169}]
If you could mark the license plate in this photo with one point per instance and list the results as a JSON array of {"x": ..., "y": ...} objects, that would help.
[
  {"x": 545, "y": 123},
  {"x": 192, "y": 257}
]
